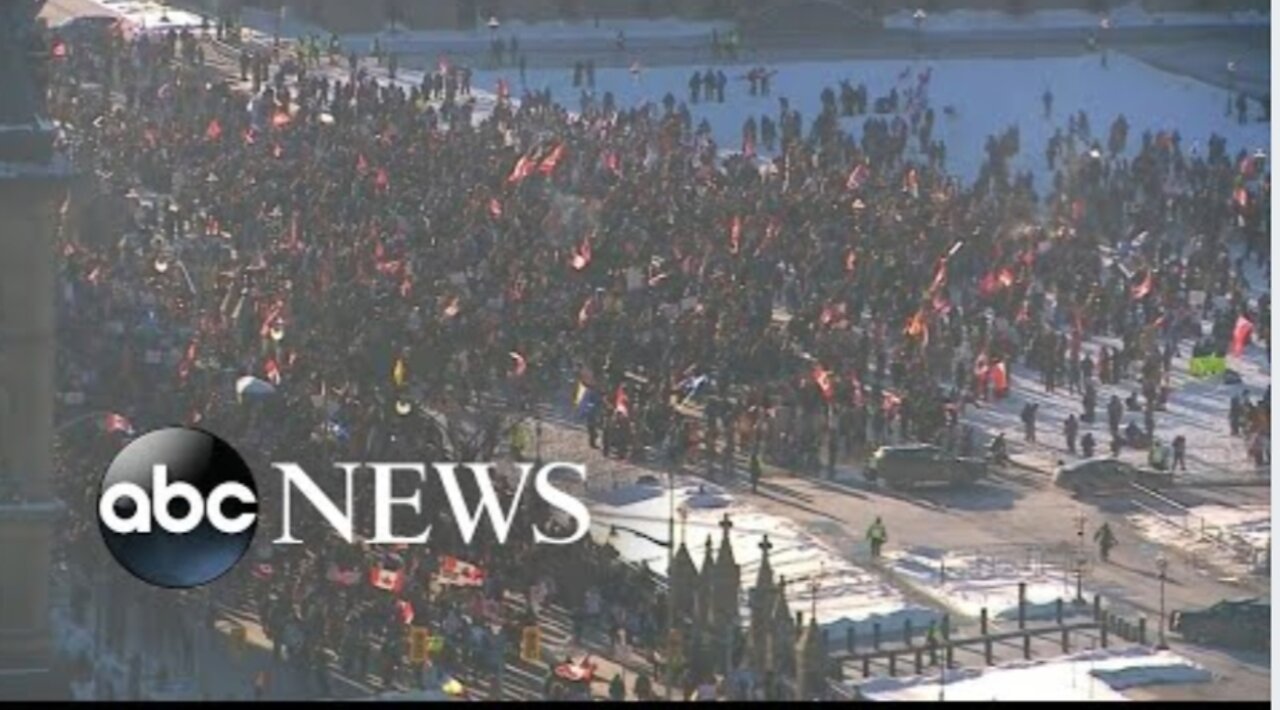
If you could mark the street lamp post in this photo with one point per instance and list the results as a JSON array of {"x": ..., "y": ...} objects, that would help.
[
  {"x": 1162, "y": 564},
  {"x": 671, "y": 560},
  {"x": 1080, "y": 556}
]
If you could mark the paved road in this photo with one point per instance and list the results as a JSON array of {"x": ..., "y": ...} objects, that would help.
[{"x": 1016, "y": 508}]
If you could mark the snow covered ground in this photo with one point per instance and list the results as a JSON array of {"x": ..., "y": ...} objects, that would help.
[
  {"x": 1208, "y": 528},
  {"x": 1132, "y": 14},
  {"x": 1091, "y": 675},
  {"x": 148, "y": 15},
  {"x": 968, "y": 582},
  {"x": 847, "y": 593},
  {"x": 988, "y": 96}
]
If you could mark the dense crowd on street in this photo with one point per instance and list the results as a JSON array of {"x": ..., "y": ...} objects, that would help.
[{"x": 409, "y": 281}]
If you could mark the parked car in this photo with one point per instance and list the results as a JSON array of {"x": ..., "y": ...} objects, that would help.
[
  {"x": 907, "y": 466},
  {"x": 1106, "y": 475},
  {"x": 1237, "y": 623}
]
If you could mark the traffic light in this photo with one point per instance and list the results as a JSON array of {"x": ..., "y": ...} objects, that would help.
[{"x": 531, "y": 644}]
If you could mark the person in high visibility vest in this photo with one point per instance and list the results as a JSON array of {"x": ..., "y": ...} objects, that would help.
[{"x": 877, "y": 536}]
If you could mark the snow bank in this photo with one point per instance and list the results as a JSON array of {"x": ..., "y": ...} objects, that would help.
[
  {"x": 969, "y": 582},
  {"x": 148, "y": 15},
  {"x": 1091, "y": 675},
  {"x": 1128, "y": 15},
  {"x": 847, "y": 594}
]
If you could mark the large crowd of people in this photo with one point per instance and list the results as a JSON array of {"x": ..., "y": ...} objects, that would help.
[{"x": 377, "y": 255}]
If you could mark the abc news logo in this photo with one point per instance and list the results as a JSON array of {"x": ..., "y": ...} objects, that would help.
[{"x": 178, "y": 507}]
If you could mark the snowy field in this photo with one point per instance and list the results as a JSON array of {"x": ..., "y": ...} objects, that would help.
[
  {"x": 150, "y": 15},
  {"x": 967, "y": 583},
  {"x": 1128, "y": 15},
  {"x": 847, "y": 594},
  {"x": 1091, "y": 675}
]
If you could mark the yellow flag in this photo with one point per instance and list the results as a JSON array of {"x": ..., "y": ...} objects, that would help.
[{"x": 399, "y": 373}]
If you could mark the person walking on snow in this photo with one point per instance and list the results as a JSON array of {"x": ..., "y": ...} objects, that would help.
[
  {"x": 877, "y": 536},
  {"x": 1106, "y": 541}
]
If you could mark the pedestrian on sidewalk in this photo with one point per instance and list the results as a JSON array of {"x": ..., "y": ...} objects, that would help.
[
  {"x": 877, "y": 536},
  {"x": 1106, "y": 541}
]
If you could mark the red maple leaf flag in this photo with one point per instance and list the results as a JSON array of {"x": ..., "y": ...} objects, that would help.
[
  {"x": 1240, "y": 336},
  {"x": 214, "y": 131},
  {"x": 523, "y": 169},
  {"x": 822, "y": 378},
  {"x": 386, "y": 579},
  {"x": 1141, "y": 290},
  {"x": 550, "y": 162}
]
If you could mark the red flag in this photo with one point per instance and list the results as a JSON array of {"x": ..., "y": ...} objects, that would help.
[
  {"x": 621, "y": 404},
  {"x": 116, "y": 423},
  {"x": 857, "y": 176},
  {"x": 1005, "y": 277},
  {"x": 518, "y": 364},
  {"x": 214, "y": 131},
  {"x": 582, "y": 254},
  {"x": 385, "y": 579},
  {"x": 612, "y": 163},
  {"x": 272, "y": 371},
  {"x": 59, "y": 50},
  {"x": 495, "y": 208},
  {"x": 999, "y": 378},
  {"x": 523, "y": 169},
  {"x": 550, "y": 162},
  {"x": 822, "y": 378},
  {"x": 404, "y": 609},
  {"x": 735, "y": 234},
  {"x": 1240, "y": 337},
  {"x": 1241, "y": 197},
  {"x": 1141, "y": 290}
]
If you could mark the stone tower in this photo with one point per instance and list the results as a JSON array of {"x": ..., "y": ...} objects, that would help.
[
  {"x": 684, "y": 583},
  {"x": 728, "y": 579},
  {"x": 33, "y": 189},
  {"x": 762, "y": 596},
  {"x": 810, "y": 663}
]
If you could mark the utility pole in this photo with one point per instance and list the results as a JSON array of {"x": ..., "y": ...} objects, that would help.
[{"x": 1162, "y": 564}]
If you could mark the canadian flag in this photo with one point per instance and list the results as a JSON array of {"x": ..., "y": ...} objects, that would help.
[
  {"x": 549, "y": 163},
  {"x": 458, "y": 573},
  {"x": 214, "y": 131},
  {"x": 523, "y": 169},
  {"x": 404, "y": 610},
  {"x": 117, "y": 424},
  {"x": 386, "y": 579}
]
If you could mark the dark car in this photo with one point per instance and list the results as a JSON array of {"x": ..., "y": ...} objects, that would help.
[
  {"x": 1106, "y": 475},
  {"x": 1236, "y": 623},
  {"x": 907, "y": 466}
]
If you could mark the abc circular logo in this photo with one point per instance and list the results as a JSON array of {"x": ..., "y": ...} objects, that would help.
[{"x": 178, "y": 507}]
